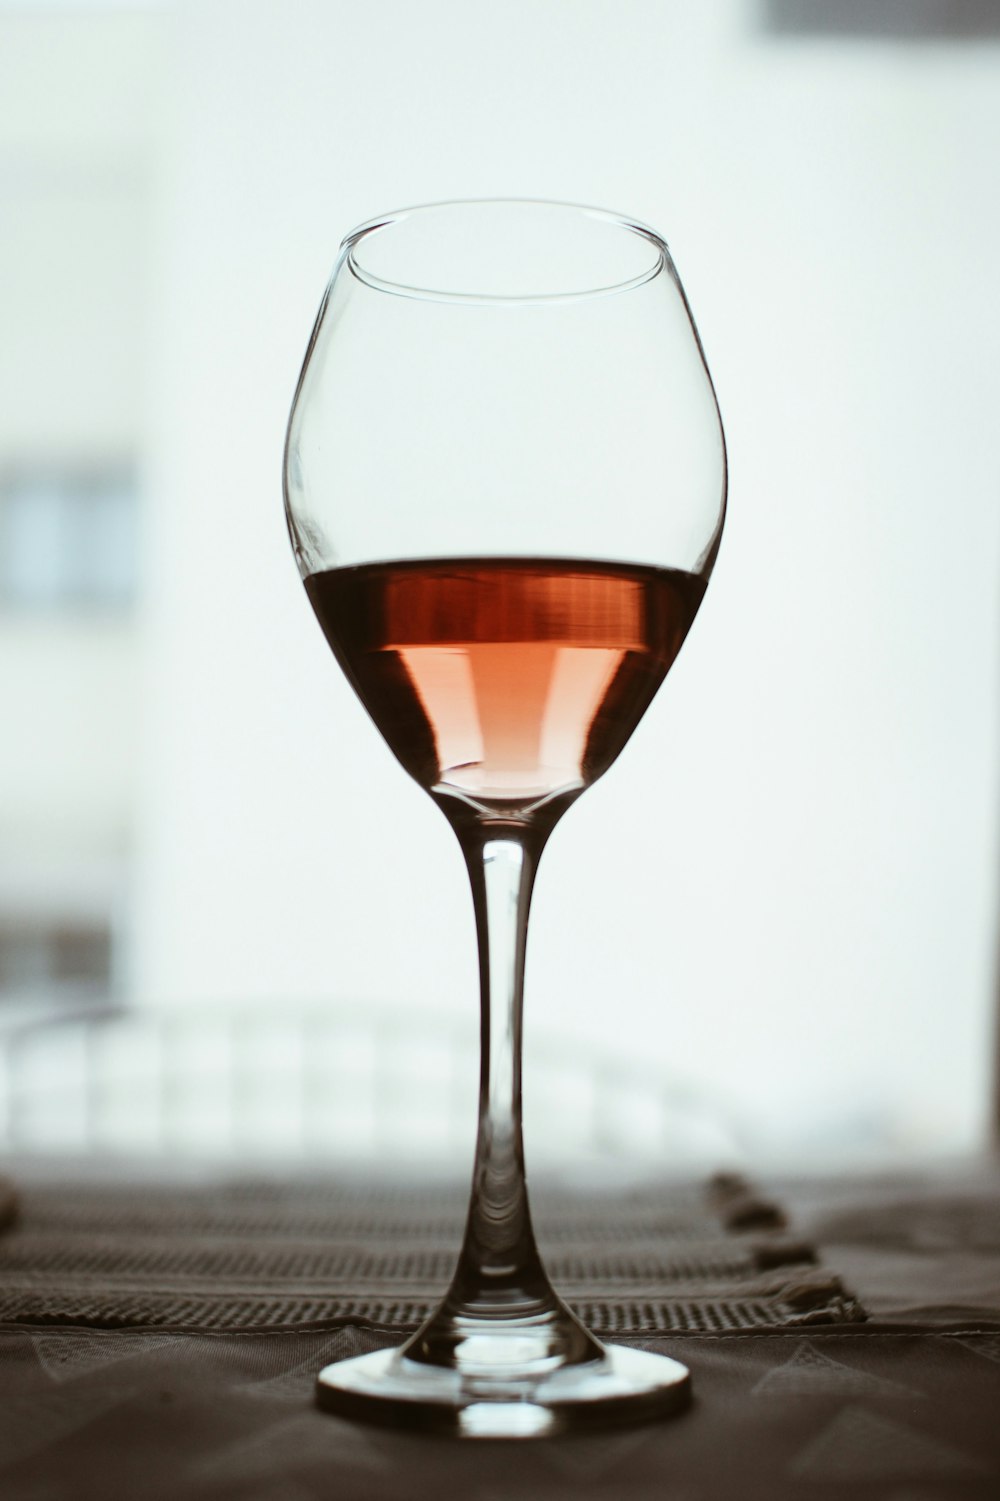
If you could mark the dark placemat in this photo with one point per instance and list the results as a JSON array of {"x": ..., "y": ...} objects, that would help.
[{"x": 262, "y": 1255}]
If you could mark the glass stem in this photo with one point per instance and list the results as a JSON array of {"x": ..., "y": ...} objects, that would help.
[
  {"x": 500, "y": 1285},
  {"x": 499, "y": 1255}
]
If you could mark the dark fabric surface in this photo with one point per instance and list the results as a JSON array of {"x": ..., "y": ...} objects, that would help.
[
  {"x": 923, "y": 1248},
  {"x": 883, "y": 1409},
  {"x": 257, "y": 1254},
  {"x": 123, "y": 1414}
]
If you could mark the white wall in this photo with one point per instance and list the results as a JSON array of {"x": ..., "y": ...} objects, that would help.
[
  {"x": 786, "y": 888},
  {"x": 77, "y": 105},
  {"x": 78, "y": 102},
  {"x": 67, "y": 760}
]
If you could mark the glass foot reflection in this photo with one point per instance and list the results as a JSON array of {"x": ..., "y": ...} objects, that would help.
[{"x": 618, "y": 1386}]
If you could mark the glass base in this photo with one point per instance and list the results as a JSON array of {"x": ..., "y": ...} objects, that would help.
[{"x": 620, "y": 1386}]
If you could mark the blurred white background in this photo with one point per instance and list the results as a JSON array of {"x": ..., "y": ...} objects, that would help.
[{"x": 784, "y": 895}]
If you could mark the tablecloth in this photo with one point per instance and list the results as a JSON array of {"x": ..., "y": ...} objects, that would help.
[{"x": 888, "y": 1389}]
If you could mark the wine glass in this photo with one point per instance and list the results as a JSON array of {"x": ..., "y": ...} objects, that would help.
[{"x": 505, "y": 484}]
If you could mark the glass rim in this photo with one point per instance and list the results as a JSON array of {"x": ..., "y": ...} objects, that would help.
[{"x": 348, "y": 254}]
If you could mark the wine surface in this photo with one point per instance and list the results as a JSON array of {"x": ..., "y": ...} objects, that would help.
[{"x": 505, "y": 680}]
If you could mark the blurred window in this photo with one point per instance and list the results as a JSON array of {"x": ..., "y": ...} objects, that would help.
[
  {"x": 68, "y": 539},
  {"x": 52, "y": 957},
  {"x": 952, "y": 19}
]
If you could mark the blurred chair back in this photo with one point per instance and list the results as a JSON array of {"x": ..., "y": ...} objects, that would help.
[{"x": 342, "y": 1084}]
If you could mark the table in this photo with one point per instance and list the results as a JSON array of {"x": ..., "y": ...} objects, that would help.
[{"x": 160, "y": 1339}]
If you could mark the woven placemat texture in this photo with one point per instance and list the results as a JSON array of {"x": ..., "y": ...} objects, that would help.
[{"x": 263, "y": 1255}]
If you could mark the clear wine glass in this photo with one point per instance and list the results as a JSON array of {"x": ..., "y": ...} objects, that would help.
[{"x": 505, "y": 482}]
